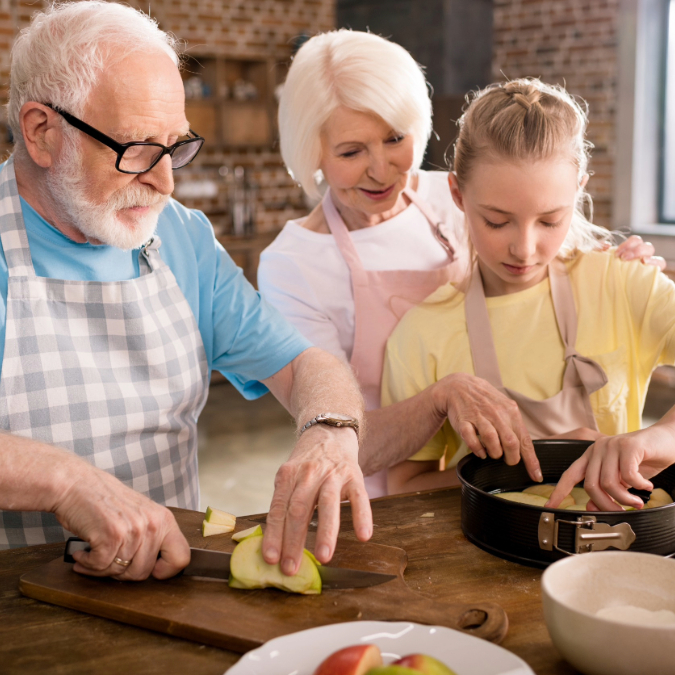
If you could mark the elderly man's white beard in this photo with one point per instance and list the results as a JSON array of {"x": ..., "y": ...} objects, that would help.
[{"x": 66, "y": 183}]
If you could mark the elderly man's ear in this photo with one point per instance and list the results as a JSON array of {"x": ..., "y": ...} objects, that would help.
[{"x": 41, "y": 130}]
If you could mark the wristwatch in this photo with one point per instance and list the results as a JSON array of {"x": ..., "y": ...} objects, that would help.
[{"x": 333, "y": 420}]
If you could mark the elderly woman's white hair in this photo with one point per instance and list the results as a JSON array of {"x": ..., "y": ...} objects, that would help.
[
  {"x": 58, "y": 58},
  {"x": 360, "y": 71}
]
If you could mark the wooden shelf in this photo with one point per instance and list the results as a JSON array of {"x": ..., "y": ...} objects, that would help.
[{"x": 224, "y": 119}]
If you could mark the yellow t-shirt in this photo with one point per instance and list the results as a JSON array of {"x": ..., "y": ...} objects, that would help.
[{"x": 626, "y": 315}]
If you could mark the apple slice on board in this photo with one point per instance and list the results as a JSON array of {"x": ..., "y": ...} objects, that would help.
[{"x": 249, "y": 570}]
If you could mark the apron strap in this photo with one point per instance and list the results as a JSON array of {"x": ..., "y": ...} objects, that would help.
[
  {"x": 578, "y": 369},
  {"x": 344, "y": 242},
  {"x": 12, "y": 229},
  {"x": 437, "y": 225},
  {"x": 483, "y": 352}
]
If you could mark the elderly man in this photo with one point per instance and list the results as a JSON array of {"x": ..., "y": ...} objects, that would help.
[{"x": 115, "y": 304}]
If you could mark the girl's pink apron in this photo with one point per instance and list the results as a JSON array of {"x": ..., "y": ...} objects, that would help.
[
  {"x": 381, "y": 298},
  {"x": 570, "y": 408}
]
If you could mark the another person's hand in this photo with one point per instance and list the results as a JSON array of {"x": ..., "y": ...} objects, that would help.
[
  {"x": 120, "y": 523},
  {"x": 634, "y": 248},
  {"x": 614, "y": 463},
  {"x": 488, "y": 421},
  {"x": 322, "y": 472}
]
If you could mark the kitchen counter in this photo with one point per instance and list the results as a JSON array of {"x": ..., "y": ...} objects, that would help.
[{"x": 39, "y": 638}]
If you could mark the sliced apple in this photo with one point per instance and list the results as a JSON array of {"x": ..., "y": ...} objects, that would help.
[
  {"x": 541, "y": 490},
  {"x": 425, "y": 664},
  {"x": 354, "y": 660},
  {"x": 218, "y": 517},
  {"x": 209, "y": 529},
  {"x": 580, "y": 496},
  {"x": 523, "y": 498},
  {"x": 248, "y": 570},
  {"x": 659, "y": 497},
  {"x": 250, "y": 532}
]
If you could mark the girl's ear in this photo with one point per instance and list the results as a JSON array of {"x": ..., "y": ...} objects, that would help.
[
  {"x": 455, "y": 191},
  {"x": 584, "y": 181}
]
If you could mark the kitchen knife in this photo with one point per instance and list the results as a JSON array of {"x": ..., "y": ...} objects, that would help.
[{"x": 216, "y": 565}]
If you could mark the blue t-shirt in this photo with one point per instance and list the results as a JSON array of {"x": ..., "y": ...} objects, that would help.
[{"x": 244, "y": 338}]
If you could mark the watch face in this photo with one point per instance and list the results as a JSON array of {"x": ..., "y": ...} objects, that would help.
[{"x": 336, "y": 416}]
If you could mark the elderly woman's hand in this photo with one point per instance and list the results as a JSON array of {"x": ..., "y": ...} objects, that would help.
[
  {"x": 634, "y": 248},
  {"x": 488, "y": 421},
  {"x": 614, "y": 463}
]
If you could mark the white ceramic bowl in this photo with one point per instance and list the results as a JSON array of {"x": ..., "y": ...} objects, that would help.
[{"x": 574, "y": 589}]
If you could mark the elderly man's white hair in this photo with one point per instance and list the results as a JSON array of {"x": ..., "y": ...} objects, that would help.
[
  {"x": 360, "y": 71},
  {"x": 59, "y": 57}
]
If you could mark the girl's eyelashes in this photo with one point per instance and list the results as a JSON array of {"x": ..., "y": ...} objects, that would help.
[
  {"x": 349, "y": 153},
  {"x": 396, "y": 139},
  {"x": 494, "y": 226}
]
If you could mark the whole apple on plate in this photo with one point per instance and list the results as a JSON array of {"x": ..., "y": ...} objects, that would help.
[
  {"x": 367, "y": 660},
  {"x": 354, "y": 660}
]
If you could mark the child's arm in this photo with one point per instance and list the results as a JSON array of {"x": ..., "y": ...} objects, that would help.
[
  {"x": 614, "y": 463},
  {"x": 410, "y": 476}
]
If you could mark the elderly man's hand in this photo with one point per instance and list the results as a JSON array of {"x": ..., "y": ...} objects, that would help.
[
  {"x": 614, "y": 463},
  {"x": 322, "y": 471},
  {"x": 121, "y": 523},
  {"x": 488, "y": 421}
]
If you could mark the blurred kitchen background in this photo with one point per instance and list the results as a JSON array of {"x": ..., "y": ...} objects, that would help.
[{"x": 613, "y": 53}]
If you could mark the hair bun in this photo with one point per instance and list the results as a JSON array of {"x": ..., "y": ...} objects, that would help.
[{"x": 525, "y": 100}]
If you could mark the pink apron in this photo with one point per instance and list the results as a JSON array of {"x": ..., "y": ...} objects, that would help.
[
  {"x": 570, "y": 408},
  {"x": 381, "y": 298}
]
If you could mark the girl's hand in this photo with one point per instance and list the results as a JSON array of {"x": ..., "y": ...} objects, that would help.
[
  {"x": 614, "y": 463},
  {"x": 634, "y": 248}
]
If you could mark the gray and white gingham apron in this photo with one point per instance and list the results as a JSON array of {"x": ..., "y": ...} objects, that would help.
[{"x": 115, "y": 372}]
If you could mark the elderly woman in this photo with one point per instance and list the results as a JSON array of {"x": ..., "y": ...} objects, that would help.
[{"x": 355, "y": 118}]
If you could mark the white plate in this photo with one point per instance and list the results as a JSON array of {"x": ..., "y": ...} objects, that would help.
[{"x": 300, "y": 653}]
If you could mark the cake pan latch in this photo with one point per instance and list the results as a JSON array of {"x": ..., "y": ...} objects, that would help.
[{"x": 590, "y": 534}]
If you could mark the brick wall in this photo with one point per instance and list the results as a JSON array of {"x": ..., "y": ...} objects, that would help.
[
  {"x": 255, "y": 29},
  {"x": 571, "y": 42},
  {"x": 565, "y": 41}
]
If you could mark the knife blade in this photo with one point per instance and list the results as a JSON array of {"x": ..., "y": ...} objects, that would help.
[{"x": 216, "y": 565}]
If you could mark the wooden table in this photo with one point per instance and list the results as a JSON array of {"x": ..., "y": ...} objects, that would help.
[{"x": 39, "y": 638}]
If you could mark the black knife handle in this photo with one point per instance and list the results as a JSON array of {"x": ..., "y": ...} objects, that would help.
[{"x": 74, "y": 544}]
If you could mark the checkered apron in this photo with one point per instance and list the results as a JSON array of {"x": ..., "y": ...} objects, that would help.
[{"x": 115, "y": 372}]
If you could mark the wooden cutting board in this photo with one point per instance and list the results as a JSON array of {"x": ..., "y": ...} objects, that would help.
[{"x": 212, "y": 613}]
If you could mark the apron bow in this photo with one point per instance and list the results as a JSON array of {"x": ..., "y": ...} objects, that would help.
[{"x": 589, "y": 372}]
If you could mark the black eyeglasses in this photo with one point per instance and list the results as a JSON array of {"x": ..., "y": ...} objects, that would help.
[{"x": 139, "y": 157}]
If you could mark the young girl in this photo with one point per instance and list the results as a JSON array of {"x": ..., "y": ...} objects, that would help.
[{"x": 548, "y": 315}]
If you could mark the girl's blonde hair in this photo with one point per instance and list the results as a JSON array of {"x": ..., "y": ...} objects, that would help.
[
  {"x": 358, "y": 70},
  {"x": 527, "y": 119}
]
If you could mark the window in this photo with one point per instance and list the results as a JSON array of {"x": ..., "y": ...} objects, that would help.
[{"x": 667, "y": 168}]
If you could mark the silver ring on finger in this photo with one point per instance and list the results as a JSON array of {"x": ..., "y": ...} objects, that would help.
[{"x": 123, "y": 563}]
